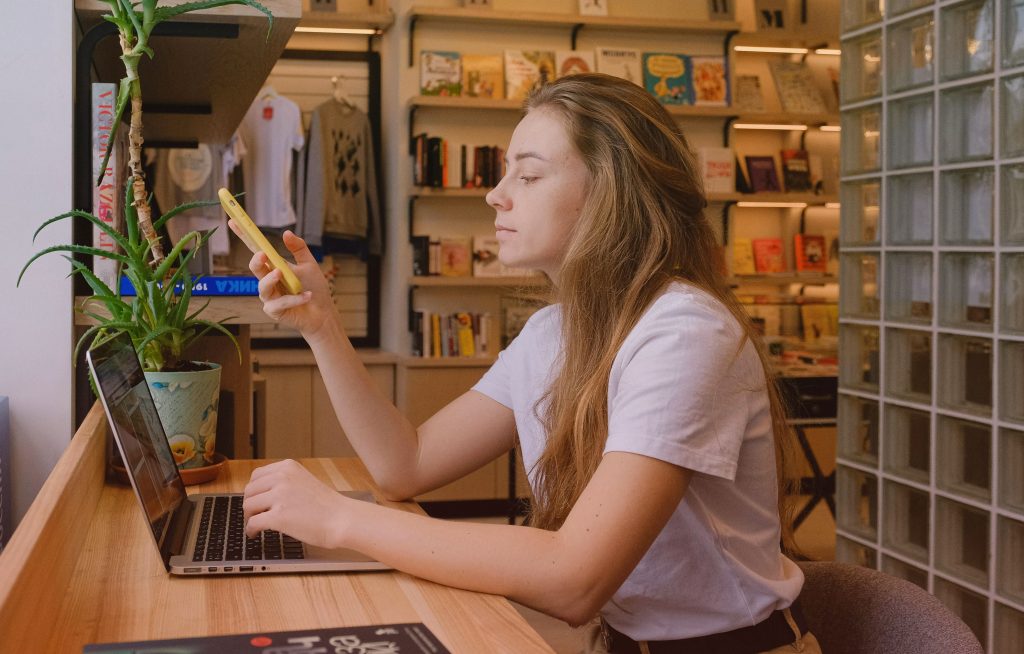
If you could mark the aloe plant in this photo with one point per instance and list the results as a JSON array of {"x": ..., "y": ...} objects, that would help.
[{"x": 157, "y": 318}]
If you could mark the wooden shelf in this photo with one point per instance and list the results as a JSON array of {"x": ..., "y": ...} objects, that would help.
[
  {"x": 198, "y": 89},
  {"x": 409, "y": 361},
  {"x": 379, "y": 20},
  {"x": 246, "y": 310},
  {"x": 463, "y": 282},
  {"x": 783, "y": 279},
  {"x": 809, "y": 198},
  {"x": 542, "y": 19},
  {"x": 432, "y": 192}
]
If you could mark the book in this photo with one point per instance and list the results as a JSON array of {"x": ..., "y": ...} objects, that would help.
[
  {"x": 620, "y": 62},
  {"x": 718, "y": 167},
  {"x": 593, "y": 7},
  {"x": 768, "y": 255},
  {"x": 105, "y": 202},
  {"x": 411, "y": 638},
  {"x": 440, "y": 72},
  {"x": 742, "y": 257},
  {"x": 709, "y": 80},
  {"x": 767, "y": 319},
  {"x": 456, "y": 256},
  {"x": 819, "y": 320},
  {"x": 761, "y": 171},
  {"x": 483, "y": 76},
  {"x": 485, "y": 257},
  {"x": 464, "y": 334},
  {"x": 209, "y": 285},
  {"x": 796, "y": 170},
  {"x": 797, "y": 90},
  {"x": 571, "y": 62},
  {"x": 748, "y": 95},
  {"x": 526, "y": 70},
  {"x": 810, "y": 252},
  {"x": 668, "y": 77}
]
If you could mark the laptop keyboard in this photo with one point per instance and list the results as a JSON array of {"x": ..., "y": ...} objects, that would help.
[{"x": 222, "y": 535}]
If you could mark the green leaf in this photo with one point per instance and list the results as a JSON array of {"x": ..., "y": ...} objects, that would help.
[
  {"x": 188, "y": 206},
  {"x": 123, "y": 95},
  {"x": 163, "y": 13},
  {"x": 129, "y": 11},
  {"x": 80, "y": 249},
  {"x": 153, "y": 336},
  {"x": 131, "y": 214},
  {"x": 95, "y": 283},
  {"x": 169, "y": 260},
  {"x": 114, "y": 235},
  {"x": 197, "y": 312}
]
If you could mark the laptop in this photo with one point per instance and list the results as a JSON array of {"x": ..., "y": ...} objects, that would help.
[{"x": 199, "y": 534}]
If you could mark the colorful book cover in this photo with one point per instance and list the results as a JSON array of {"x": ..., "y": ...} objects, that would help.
[
  {"x": 440, "y": 72},
  {"x": 768, "y": 255},
  {"x": 526, "y": 70},
  {"x": 483, "y": 76},
  {"x": 743, "y": 257},
  {"x": 104, "y": 195},
  {"x": 761, "y": 171},
  {"x": 464, "y": 331},
  {"x": 810, "y": 252},
  {"x": 571, "y": 62},
  {"x": 718, "y": 166},
  {"x": 456, "y": 256},
  {"x": 414, "y": 638},
  {"x": 797, "y": 90},
  {"x": 796, "y": 170},
  {"x": 710, "y": 82},
  {"x": 485, "y": 257},
  {"x": 819, "y": 320},
  {"x": 621, "y": 62},
  {"x": 668, "y": 77},
  {"x": 748, "y": 94}
]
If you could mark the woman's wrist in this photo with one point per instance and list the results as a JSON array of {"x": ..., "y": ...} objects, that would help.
[{"x": 329, "y": 330}]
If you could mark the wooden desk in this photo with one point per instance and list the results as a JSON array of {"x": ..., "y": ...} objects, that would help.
[{"x": 54, "y": 599}]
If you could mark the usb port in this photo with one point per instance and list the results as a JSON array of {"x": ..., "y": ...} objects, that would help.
[
  {"x": 228, "y": 569},
  {"x": 245, "y": 568},
  {"x": 211, "y": 569},
  {"x": 193, "y": 570}
]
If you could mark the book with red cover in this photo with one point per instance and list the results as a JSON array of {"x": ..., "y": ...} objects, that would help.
[
  {"x": 414, "y": 638},
  {"x": 810, "y": 252},
  {"x": 768, "y": 255}
]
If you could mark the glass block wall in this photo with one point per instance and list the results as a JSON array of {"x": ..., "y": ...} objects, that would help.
[{"x": 930, "y": 481}]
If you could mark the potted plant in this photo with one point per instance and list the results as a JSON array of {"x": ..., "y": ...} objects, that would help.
[{"x": 158, "y": 319}]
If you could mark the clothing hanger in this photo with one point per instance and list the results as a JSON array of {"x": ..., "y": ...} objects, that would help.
[
  {"x": 268, "y": 92},
  {"x": 339, "y": 94}
]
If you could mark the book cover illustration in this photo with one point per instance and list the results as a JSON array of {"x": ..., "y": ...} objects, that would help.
[
  {"x": 571, "y": 62},
  {"x": 743, "y": 257},
  {"x": 409, "y": 638},
  {"x": 485, "y": 257},
  {"x": 710, "y": 84},
  {"x": 811, "y": 252},
  {"x": 526, "y": 70},
  {"x": 768, "y": 255},
  {"x": 668, "y": 77},
  {"x": 748, "y": 94},
  {"x": 456, "y": 256},
  {"x": 621, "y": 62},
  {"x": 718, "y": 167},
  {"x": 761, "y": 171},
  {"x": 440, "y": 73},
  {"x": 796, "y": 170},
  {"x": 819, "y": 320},
  {"x": 797, "y": 91},
  {"x": 483, "y": 76}
]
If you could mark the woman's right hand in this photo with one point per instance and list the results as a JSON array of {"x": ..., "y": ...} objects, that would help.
[{"x": 308, "y": 311}]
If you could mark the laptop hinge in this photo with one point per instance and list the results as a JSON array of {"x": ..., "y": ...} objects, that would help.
[{"x": 174, "y": 542}]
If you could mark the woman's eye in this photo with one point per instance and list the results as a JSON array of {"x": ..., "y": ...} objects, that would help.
[{"x": 527, "y": 179}]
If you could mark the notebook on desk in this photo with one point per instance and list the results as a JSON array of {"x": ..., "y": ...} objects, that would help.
[{"x": 198, "y": 534}]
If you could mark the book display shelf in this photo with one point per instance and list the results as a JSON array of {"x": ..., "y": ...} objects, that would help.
[{"x": 931, "y": 407}]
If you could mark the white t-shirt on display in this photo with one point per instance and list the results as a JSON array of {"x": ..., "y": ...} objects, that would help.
[
  {"x": 271, "y": 129},
  {"x": 682, "y": 390}
]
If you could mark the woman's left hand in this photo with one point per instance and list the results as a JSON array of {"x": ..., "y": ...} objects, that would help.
[{"x": 286, "y": 497}]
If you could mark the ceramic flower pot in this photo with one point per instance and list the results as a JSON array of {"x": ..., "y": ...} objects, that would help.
[{"x": 187, "y": 405}]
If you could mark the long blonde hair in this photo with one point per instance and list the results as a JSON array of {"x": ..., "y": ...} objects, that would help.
[{"x": 642, "y": 226}]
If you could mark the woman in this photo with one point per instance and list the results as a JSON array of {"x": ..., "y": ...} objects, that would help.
[{"x": 642, "y": 403}]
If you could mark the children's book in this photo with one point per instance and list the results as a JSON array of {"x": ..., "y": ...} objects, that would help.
[
  {"x": 797, "y": 90},
  {"x": 668, "y": 77},
  {"x": 819, "y": 320},
  {"x": 748, "y": 94},
  {"x": 768, "y": 256},
  {"x": 796, "y": 171},
  {"x": 440, "y": 73},
  {"x": 810, "y": 252},
  {"x": 743, "y": 257},
  {"x": 414, "y": 638},
  {"x": 621, "y": 62},
  {"x": 483, "y": 76},
  {"x": 718, "y": 166},
  {"x": 571, "y": 62},
  {"x": 761, "y": 171},
  {"x": 485, "y": 257},
  {"x": 456, "y": 258},
  {"x": 526, "y": 70},
  {"x": 710, "y": 83}
]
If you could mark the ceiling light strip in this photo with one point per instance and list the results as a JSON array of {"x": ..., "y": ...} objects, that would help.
[
  {"x": 363, "y": 31},
  {"x": 785, "y": 128}
]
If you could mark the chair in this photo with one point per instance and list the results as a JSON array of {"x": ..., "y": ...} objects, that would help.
[{"x": 856, "y": 610}]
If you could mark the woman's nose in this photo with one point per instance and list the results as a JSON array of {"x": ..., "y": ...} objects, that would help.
[{"x": 497, "y": 197}]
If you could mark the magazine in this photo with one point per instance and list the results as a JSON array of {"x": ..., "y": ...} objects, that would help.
[
  {"x": 710, "y": 86},
  {"x": 797, "y": 91},
  {"x": 440, "y": 73},
  {"x": 571, "y": 62},
  {"x": 668, "y": 77},
  {"x": 761, "y": 171},
  {"x": 483, "y": 76},
  {"x": 748, "y": 94},
  {"x": 620, "y": 62},
  {"x": 526, "y": 70}
]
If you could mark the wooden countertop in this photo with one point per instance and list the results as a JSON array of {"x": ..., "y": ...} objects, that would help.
[{"x": 117, "y": 589}]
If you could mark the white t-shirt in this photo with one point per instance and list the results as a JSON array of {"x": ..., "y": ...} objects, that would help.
[
  {"x": 680, "y": 390},
  {"x": 271, "y": 129}
]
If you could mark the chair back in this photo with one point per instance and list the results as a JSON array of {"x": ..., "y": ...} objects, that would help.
[{"x": 856, "y": 610}]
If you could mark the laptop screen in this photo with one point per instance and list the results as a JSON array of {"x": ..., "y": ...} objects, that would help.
[{"x": 139, "y": 433}]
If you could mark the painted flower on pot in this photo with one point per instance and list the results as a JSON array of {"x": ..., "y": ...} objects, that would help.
[
  {"x": 208, "y": 432},
  {"x": 183, "y": 448}
]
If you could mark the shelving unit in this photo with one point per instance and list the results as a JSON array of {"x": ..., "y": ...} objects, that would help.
[{"x": 931, "y": 435}]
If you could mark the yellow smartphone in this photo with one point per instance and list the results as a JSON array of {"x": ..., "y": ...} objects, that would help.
[{"x": 257, "y": 242}]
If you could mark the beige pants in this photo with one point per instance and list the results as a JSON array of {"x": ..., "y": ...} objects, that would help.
[{"x": 593, "y": 642}]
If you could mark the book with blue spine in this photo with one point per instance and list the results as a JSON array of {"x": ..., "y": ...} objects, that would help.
[{"x": 208, "y": 285}]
